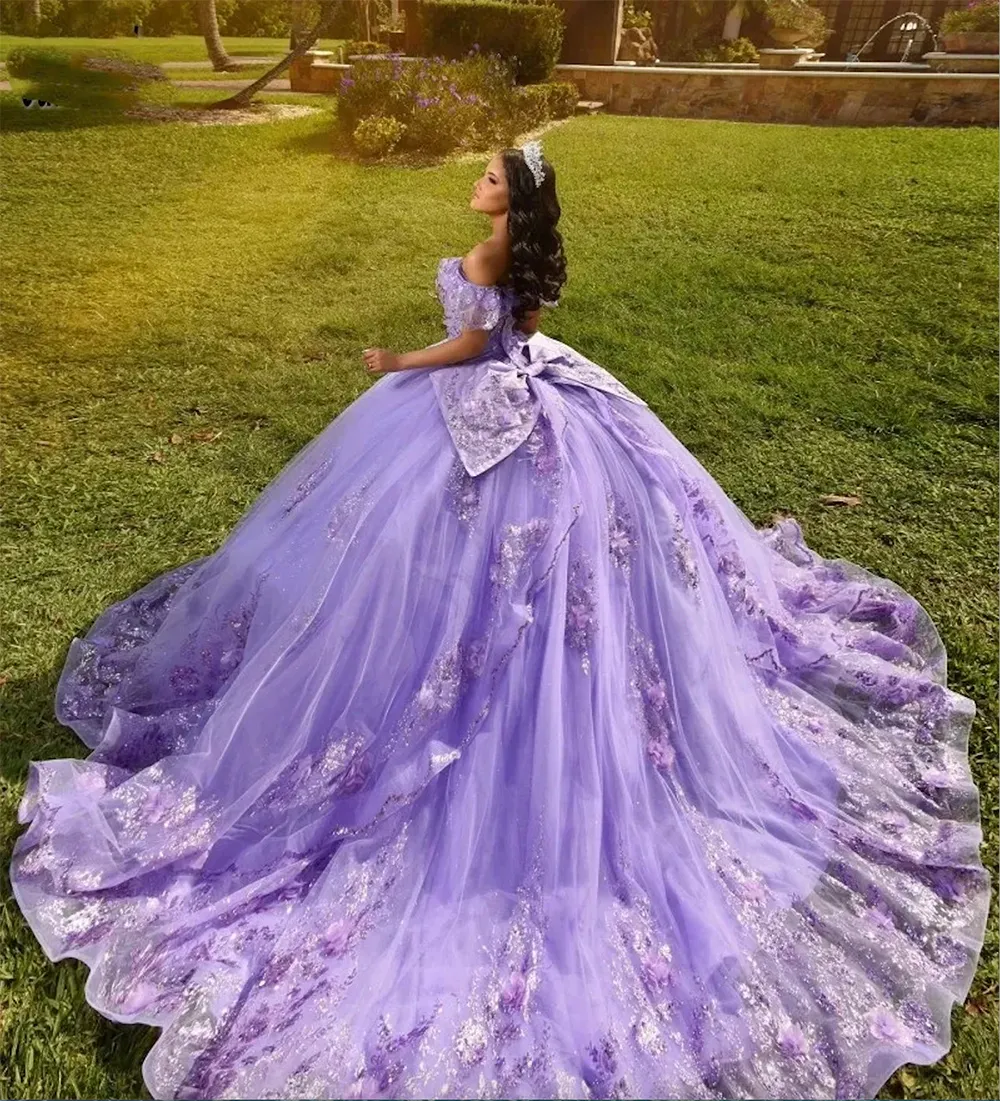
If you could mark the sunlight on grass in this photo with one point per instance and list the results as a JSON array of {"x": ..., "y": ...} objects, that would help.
[{"x": 810, "y": 310}]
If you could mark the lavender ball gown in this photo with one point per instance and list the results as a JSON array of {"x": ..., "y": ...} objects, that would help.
[{"x": 496, "y": 754}]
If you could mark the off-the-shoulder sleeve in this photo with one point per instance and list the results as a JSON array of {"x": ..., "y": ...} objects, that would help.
[{"x": 478, "y": 307}]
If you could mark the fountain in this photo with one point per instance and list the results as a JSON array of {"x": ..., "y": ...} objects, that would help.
[{"x": 854, "y": 57}]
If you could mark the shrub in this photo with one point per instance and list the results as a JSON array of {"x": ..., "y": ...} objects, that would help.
[
  {"x": 739, "y": 50},
  {"x": 443, "y": 105},
  {"x": 636, "y": 17},
  {"x": 532, "y": 105},
  {"x": 537, "y": 103},
  {"x": 528, "y": 35},
  {"x": 979, "y": 15},
  {"x": 563, "y": 98},
  {"x": 377, "y": 135},
  {"x": 81, "y": 78},
  {"x": 797, "y": 13},
  {"x": 364, "y": 46}
]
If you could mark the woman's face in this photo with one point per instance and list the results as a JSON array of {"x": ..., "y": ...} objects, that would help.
[{"x": 489, "y": 194}]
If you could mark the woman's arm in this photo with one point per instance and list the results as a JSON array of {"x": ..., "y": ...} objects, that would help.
[{"x": 467, "y": 345}]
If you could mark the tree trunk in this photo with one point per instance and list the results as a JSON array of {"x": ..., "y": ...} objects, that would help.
[
  {"x": 327, "y": 11},
  {"x": 36, "y": 16},
  {"x": 208, "y": 23},
  {"x": 298, "y": 24},
  {"x": 734, "y": 19}
]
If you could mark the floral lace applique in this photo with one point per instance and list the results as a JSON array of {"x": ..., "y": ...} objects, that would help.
[
  {"x": 519, "y": 544},
  {"x": 656, "y": 702},
  {"x": 347, "y": 510},
  {"x": 581, "y": 608},
  {"x": 463, "y": 493},
  {"x": 468, "y": 305},
  {"x": 622, "y": 534},
  {"x": 683, "y": 553},
  {"x": 542, "y": 446}
]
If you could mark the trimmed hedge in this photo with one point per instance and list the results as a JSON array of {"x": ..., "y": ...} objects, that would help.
[
  {"x": 529, "y": 35},
  {"x": 546, "y": 100}
]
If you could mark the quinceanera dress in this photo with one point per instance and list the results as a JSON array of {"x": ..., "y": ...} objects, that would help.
[{"x": 496, "y": 754}]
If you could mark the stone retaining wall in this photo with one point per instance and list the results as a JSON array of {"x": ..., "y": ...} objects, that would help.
[
  {"x": 823, "y": 97},
  {"x": 757, "y": 95}
]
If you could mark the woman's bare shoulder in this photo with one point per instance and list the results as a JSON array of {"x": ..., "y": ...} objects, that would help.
[{"x": 485, "y": 264}]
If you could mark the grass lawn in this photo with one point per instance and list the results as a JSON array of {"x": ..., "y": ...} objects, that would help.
[
  {"x": 810, "y": 310},
  {"x": 179, "y": 47}
]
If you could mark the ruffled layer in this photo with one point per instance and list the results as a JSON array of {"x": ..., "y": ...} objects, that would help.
[{"x": 563, "y": 781}]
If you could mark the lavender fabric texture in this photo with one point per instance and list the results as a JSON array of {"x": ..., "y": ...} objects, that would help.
[{"x": 495, "y": 753}]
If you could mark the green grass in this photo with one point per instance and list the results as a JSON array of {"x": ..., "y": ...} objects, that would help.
[
  {"x": 181, "y": 47},
  {"x": 810, "y": 310}
]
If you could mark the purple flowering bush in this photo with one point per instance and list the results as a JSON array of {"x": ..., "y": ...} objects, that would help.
[{"x": 441, "y": 105}]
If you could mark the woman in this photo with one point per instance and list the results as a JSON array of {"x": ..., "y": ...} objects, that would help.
[{"x": 496, "y": 754}]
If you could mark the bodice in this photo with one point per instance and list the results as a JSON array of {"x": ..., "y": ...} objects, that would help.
[
  {"x": 469, "y": 305},
  {"x": 491, "y": 402}
]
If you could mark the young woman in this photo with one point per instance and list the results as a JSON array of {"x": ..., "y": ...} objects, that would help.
[{"x": 495, "y": 753}]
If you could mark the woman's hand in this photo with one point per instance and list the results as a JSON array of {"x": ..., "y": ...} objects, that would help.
[{"x": 380, "y": 360}]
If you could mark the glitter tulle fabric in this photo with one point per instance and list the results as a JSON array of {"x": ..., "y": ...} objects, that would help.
[{"x": 555, "y": 780}]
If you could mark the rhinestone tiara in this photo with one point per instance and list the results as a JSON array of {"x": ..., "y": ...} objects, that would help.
[{"x": 532, "y": 153}]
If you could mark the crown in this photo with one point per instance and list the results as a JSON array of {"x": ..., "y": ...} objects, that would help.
[{"x": 532, "y": 153}]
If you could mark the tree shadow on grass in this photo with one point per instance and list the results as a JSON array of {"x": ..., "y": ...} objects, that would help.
[{"x": 16, "y": 118}]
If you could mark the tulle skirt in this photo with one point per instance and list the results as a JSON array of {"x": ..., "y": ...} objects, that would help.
[{"x": 560, "y": 781}]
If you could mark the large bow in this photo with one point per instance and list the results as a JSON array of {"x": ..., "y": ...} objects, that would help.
[{"x": 491, "y": 408}]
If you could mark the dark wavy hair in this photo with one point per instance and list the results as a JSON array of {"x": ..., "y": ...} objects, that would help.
[{"x": 538, "y": 262}]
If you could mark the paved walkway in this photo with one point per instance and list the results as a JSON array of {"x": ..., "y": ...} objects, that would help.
[
  {"x": 279, "y": 85},
  {"x": 208, "y": 64}
]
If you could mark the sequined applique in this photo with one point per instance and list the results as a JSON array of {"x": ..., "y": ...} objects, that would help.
[
  {"x": 581, "y": 608},
  {"x": 542, "y": 446},
  {"x": 683, "y": 553},
  {"x": 440, "y": 690},
  {"x": 601, "y": 1070},
  {"x": 309, "y": 483},
  {"x": 97, "y": 664},
  {"x": 622, "y": 535},
  {"x": 338, "y": 528},
  {"x": 519, "y": 544},
  {"x": 469, "y": 305},
  {"x": 657, "y": 706},
  {"x": 383, "y": 1064},
  {"x": 463, "y": 493},
  {"x": 487, "y": 418}
]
